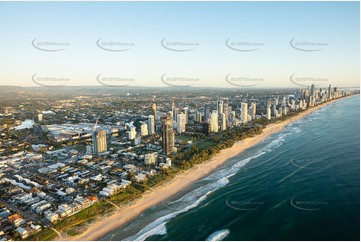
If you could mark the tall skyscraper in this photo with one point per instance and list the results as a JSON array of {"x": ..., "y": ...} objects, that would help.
[
  {"x": 186, "y": 113},
  {"x": 220, "y": 107},
  {"x": 154, "y": 109},
  {"x": 181, "y": 123},
  {"x": 99, "y": 141},
  {"x": 252, "y": 110},
  {"x": 198, "y": 116},
  {"x": 244, "y": 112},
  {"x": 312, "y": 91},
  {"x": 172, "y": 112},
  {"x": 151, "y": 124},
  {"x": 335, "y": 92},
  {"x": 225, "y": 109},
  {"x": 307, "y": 93},
  {"x": 213, "y": 122},
  {"x": 207, "y": 112},
  {"x": 329, "y": 92},
  {"x": 232, "y": 115},
  {"x": 223, "y": 122},
  {"x": 268, "y": 113},
  {"x": 167, "y": 135},
  {"x": 175, "y": 113}
]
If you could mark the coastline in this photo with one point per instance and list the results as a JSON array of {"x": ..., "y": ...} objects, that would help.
[{"x": 183, "y": 180}]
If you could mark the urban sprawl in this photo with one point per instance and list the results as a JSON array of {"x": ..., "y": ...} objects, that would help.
[{"x": 66, "y": 161}]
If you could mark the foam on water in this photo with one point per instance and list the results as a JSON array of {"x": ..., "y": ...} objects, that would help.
[
  {"x": 218, "y": 235},
  {"x": 195, "y": 197},
  {"x": 158, "y": 226}
]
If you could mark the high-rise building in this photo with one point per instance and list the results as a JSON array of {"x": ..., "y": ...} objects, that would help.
[
  {"x": 172, "y": 112},
  {"x": 244, "y": 112},
  {"x": 268, "y": 113},
  {"x": 283, "y": 103},
  {"x": 312, "y": 91},
  {"x": 335, "y": 92},
  {"x": 252, "y": 110},
  {"x": 198, "y": 116},
  {"x": 132, "y": 133},
  {"x": 213, "y": 122},
  {"x": 225, "y": 109},
  {"x": 143, "y": 129},
  {"x": 175, "y": 113},
  {"x": 307, "y": 93},
  {"x": 186, "y": 109},
  {"x": 99, "y": 141},
  {"x": 220, "y": 107},
  {"x": 154, "y": 109},
  {"x": 329, "y": 92},
  {"x": 223, "y": 122},
  {"x": 151, "y": 124},
  {"x": 167, "y": 135},
  {"x": 181, "y": 123},
  {"x": 232, "y": 115},
  {"x": 207, "y": 112},
  {"x": 274, "y": 110}
]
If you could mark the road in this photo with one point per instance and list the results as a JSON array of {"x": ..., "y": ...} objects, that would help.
[{"x": 29, "y": 217}]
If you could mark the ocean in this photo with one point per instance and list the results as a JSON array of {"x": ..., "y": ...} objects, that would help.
[{"x": 302, "y": 183}]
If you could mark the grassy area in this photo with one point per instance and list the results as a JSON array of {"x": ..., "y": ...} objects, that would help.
[
  {"x": 183, "y": 137},
  {"x": 84, "y": 215},
  {"x": 125, "y": 196},
  {"x": 74, "y": 231},
  {"x": 205, "y": 144},
  {"x": 46, "y": 234}
]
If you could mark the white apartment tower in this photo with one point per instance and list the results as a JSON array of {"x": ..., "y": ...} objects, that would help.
[{"x": 213, "y": 122}]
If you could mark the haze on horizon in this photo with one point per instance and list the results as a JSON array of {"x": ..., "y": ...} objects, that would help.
[{"x": 198, "y": 44}]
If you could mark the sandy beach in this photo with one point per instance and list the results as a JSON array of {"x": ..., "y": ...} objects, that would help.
[{"x": 180, "y": 182}]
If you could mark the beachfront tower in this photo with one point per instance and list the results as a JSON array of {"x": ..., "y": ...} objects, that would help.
[
  {"x": 213, "y": 122},
  {"x": 244, "y": 112},
  {"x": 225, "y": 109},
  {"x": 167, "y": 135}
]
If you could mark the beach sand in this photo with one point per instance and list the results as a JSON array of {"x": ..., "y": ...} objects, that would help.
[{"x": 162, "y": 192}]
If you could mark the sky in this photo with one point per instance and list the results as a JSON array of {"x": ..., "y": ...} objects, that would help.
[{"x": 200, "y": 44}]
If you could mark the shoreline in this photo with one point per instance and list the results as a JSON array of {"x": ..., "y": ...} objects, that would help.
[{"x": 181, "y": 181}]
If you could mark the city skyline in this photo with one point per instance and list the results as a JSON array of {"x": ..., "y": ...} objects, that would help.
[{"x": 230, "y": 44}]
